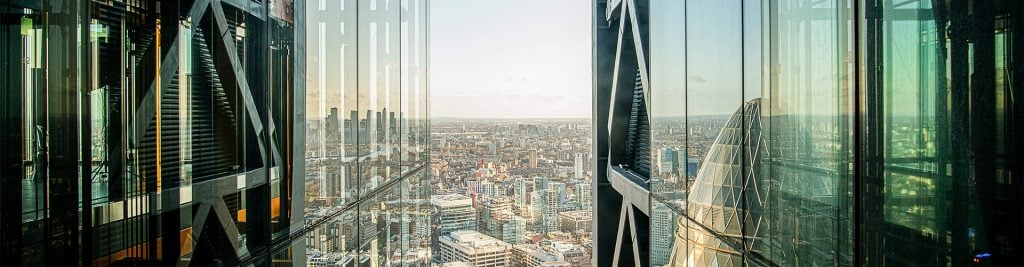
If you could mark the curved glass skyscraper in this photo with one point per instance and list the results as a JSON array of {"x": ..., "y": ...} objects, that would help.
[{"x": 725, "y": 199}]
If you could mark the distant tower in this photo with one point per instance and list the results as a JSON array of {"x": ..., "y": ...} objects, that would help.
[
  {"x": 578, "y": 166},
  {"x": 662, "y": 224},
  {"x": 533, "y": 158}
]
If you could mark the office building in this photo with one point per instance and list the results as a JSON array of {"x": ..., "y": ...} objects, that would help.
[
  {"x": 474, "y": 248},
  {"x": 668, "y": 161},
  {"x": 486, "y": 188},
  {"x": 845, "y": 133},
  {"x": 513, "y": 231},
  {"x": 493, "y": 213},
  {"x": 663, "y": 222},
  {"x": 451, "y": 213},
  {"x": 575, "y": 221},
  {"x": 546, "y": 206}
]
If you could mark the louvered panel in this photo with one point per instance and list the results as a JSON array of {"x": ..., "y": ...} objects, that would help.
[
  {"x": 638, "y": 137},
  {"x": 169, "y": 141},
  {"x": 212, "y": 143}
]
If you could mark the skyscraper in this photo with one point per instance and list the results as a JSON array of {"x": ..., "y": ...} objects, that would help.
[
  {"x": 212, "y": 132},
  {"x": 849, "y": 133}
]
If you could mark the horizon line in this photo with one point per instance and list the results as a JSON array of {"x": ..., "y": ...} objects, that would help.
[{"x": 512, "y": 118}]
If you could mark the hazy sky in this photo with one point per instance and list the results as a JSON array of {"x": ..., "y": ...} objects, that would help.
[{"x": 510, "y": 59}]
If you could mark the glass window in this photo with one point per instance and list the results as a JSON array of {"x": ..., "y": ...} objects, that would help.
[
  {"x": 715, "y": 131},
  {"x": 806, "y": 123},
  {"x": 938, "y": 111}
]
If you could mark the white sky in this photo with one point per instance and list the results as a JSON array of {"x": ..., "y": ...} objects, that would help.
[{"x": 510, "y": 59}]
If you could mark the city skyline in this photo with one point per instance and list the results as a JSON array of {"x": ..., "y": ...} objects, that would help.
[{"x": 528, "y": 133}]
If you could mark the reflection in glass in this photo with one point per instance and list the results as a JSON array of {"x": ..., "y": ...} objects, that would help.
[
  {"x": 898, "y": 136},
  {"x": 149, "y": 132},
  {"x": 942, "y": 134},
  {"x": 774, "y": 171}
]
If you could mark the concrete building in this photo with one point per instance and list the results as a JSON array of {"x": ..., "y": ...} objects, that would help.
[
  {"x": 451, "y": 213},
  {"x": 576, "y": 221},
  {"x": 474, "y": 248},
  {"x": 531, "y": 255}
]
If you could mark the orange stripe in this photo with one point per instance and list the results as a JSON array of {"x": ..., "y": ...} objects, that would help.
[
  {"x": 275, "y": 210},
  {"x": 159, "y": 149},
  {"x": 140, "y": 250}
]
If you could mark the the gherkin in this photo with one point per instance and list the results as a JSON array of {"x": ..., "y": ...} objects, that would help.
[{"x": 726, "y": 195}]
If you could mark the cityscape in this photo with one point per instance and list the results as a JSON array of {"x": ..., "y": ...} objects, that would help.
[
  {"x": 515, "y": 191},
  {"x": 528, "y": 133}
]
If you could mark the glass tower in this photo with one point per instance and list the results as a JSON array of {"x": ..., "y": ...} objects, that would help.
[
  {"x": 209, "y": 132},
  {"x": 847, "y": 132}
]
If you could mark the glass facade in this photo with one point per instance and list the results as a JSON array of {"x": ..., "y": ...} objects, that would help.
[
  {"x": 821, "y": 132},
  {"x": 199, "y": 132},
  {"x": 366, "y": 134}
]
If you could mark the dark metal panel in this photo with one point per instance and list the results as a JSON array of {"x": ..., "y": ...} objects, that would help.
[
  {"x": 607, "y": 201},
  {"x": 61, "y": 165}
]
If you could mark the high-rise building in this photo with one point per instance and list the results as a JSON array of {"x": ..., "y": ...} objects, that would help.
[
  {"x": 486, "y": 188},
  {"x": 579, "y": 164},
  {"x": 546, "y": 204},
  {"x": 494, "y": 212},
  {"x": 662, "y": 224},
  {"x": 203, "y": 132},
  {"x": 474, "y": 248},
  {"x": 532, "y": 158},
  {"x": 888, "y": 142}
]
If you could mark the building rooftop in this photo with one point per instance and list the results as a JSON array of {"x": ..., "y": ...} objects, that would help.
[
  {"x": 473, "y": 241},
  {"x": 450, "y": 200}
]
